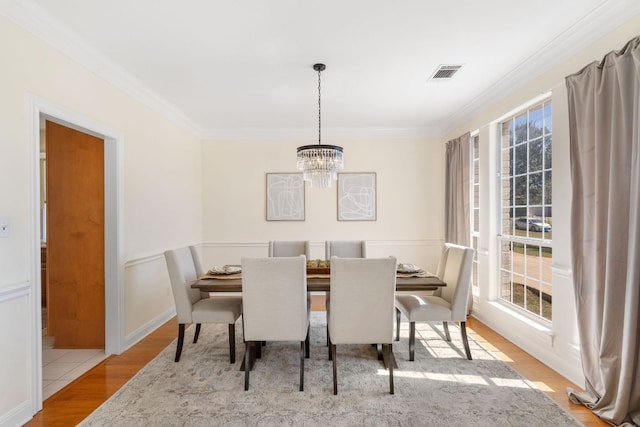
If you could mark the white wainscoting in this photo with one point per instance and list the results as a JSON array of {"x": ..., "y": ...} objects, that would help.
[
  {"x": 136, "y": 336},
  {"x": 17, "y": 358},
  {"x": 149, "y": 302}
]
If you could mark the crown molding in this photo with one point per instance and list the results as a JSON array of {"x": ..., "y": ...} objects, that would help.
[
  {"x": 329, "y": 134},
  {"x": 32, "y": 19},
  {"x": 604, "y": 18},
  {"x": 608, "y": 15}
]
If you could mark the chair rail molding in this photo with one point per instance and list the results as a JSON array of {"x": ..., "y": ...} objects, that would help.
[
  {"x": 8, "y": 293},
  {"x": 145, "y": 259}
]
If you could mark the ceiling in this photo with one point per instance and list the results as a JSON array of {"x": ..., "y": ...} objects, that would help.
[{"x": 243, "y": 69}]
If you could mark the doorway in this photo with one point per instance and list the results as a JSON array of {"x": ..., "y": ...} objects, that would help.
[
  {"x": 114, "y": 340},
  {"x": 72, "y": 264}
]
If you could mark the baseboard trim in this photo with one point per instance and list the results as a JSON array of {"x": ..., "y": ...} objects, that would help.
[
  {"x": 140, "y": 333},
  {"x": 18, "y": 416}
]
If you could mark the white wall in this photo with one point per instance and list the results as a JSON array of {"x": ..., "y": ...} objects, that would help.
[
  {"x": 555, "y": 345},
  {"x": 409, "y": 176},
  {"x": 160, "y": 181}
]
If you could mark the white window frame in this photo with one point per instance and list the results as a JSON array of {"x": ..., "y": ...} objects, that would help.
[
  {"x": 474, "y": 204},
  {"x": 507, "y": 274}
]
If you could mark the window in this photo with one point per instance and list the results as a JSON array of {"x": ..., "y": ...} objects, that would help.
[
  {"x": 475, "y": 209},
  {"x": 526, "y": 211}
]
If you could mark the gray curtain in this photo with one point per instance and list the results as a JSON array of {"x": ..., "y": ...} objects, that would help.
[
  {"x": 457, "y": 187},
  {"x": 604, "y": 110}
]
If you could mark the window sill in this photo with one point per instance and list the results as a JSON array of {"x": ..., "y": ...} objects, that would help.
[{"x": 541, "y": 329}]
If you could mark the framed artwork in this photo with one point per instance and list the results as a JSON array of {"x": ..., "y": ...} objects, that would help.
[
  {"x": 357, "y": 196},
  {"x": 285, "y": 197}
]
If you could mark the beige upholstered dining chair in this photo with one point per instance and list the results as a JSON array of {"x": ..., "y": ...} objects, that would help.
[
  {"x": 192, "y": 308},
  {"x": 362, "y": 306},
  {"x": 198, "y": 266},
  {"x": 342, "y": 249},
  {"x": 449, "y": 306},
  {"x": 280, "y": 248},
  {"x": 345, "y": 248},
  {"x": 274, "y": 295}
]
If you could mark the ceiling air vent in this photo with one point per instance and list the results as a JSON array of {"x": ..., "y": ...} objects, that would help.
[{"x": 445, "y": 72}]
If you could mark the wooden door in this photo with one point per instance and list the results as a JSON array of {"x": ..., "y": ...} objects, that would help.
[{"x": 75, "y": 238}]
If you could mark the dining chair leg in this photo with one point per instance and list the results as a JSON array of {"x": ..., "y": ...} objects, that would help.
[
  {"x": 380, "y": 350},
  {"x": 412, "y": 340},
  {"x": 326, "y": 296},
  {"x": 180, "y": 341},
  {"x": 465, "y": 341},
  {"x": 445, "y": 325},
  {"x": 397, "y": 325},
  {"x": 197, "y": 334},
  {"x": 329, "y": 347},
  {"x": 258, "y": 350},
  {"x": 328, "y": 334},
  {"x": 389, "y": 348},
  {"x": 302, "y": 356},
  {"x": 232, "y": 343},
  {"x": 247, "y": 364},
  {"x": 335, "y": 369},
  {"x": 242, "y": 318},
  {"x": 307, "y": 342}
]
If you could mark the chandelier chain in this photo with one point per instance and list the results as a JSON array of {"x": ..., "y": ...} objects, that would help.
[{"x": 319, "y": 110}]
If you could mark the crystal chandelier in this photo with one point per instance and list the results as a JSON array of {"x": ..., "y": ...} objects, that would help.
[{"x": 320, "y": 163}]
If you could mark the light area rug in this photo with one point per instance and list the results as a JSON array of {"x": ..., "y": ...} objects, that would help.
[{"x": 440, "y": 388}]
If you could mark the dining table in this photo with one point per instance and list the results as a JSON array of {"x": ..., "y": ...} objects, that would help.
[{"x": 318, "y": 282}]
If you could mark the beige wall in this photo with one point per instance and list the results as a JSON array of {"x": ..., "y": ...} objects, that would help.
[
  {"x": 161, "y": 182},
  {"x": 409, "y": 178}
]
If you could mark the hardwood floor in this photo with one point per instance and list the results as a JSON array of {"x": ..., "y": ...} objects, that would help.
[
  {"x": 76, "y": 401},
  {"x": 545, "y": 378}
]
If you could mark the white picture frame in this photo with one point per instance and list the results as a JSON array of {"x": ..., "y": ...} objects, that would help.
[
  {"x": 285, "y": 197},
  {"x": 357, "y": 197}
]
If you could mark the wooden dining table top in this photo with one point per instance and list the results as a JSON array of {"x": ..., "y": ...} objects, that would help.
[{"x": 316, "y": 283}]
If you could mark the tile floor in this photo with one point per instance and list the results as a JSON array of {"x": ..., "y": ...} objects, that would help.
[{"x": 62, "y": 366}]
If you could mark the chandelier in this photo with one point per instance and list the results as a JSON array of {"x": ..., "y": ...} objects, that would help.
[{"x": 320, "y": 163}]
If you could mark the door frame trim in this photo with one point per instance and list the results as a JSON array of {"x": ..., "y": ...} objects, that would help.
[{"x": 40, "y": 108}]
